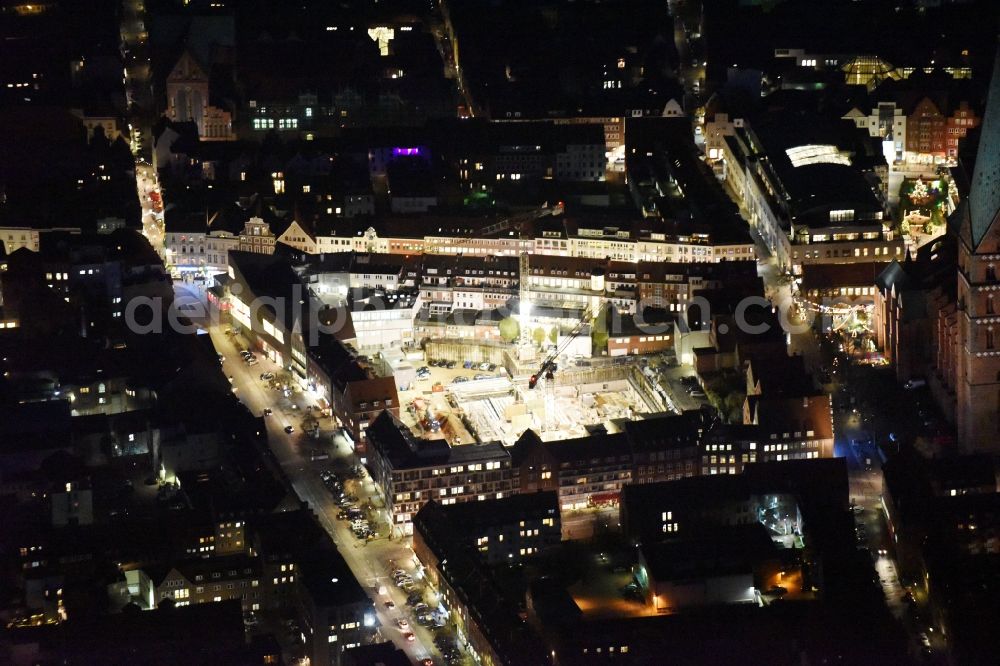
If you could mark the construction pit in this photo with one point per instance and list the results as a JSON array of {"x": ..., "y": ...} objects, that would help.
[{"x": 501, "y": 410}]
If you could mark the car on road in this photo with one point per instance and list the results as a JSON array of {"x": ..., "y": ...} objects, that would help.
[
  {"x": 266, "y": 376},
  {"x": 222, "y": 359},
  {"x": 267, "y": 411},
  {"x": 389, "y": 604},
  {"x": 403, "y": 624},
  {"x": 409, "y": 636},
  {"x": 289, "y": 430}
]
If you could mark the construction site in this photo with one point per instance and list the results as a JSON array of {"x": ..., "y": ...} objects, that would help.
[
  {"x": 453, "y": 405},
  {"x": 474, "y": 392}
]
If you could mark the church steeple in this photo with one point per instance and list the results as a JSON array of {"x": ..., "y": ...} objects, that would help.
[{"x": 984, "y": 194}]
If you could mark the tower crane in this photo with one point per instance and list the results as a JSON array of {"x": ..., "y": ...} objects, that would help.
[
  {"x": 549, "y": 364},
  {"x": 516, "y": 222}
]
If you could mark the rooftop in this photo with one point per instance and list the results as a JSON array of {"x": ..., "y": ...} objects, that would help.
[
  {"x": 328, "y": 580},
  {"x": 404, "y": 451}
]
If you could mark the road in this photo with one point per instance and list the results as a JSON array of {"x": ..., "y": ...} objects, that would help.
[
  {"x": 863, "y": 462},
  {"x": 447, "y": 44},
  {"x": 866, "y": 482},
  {"x": 368, "y": 560},
  {"x": 138, "y": 83}
]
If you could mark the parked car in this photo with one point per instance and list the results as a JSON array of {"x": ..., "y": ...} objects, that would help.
[
  {"x": 289, "y": 430},
  {"x": 484, "y": 366},
  {"x": 451, "y": 365},
  {"x": 467, "y": 365},
  {"x": 267, "y": 411}
]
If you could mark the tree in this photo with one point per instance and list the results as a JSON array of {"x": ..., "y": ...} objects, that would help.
[
  {"x": 538, "y": 335},
  {"x": 554, "y": 335},
  {"x": 599, "y": 333},
  {"x": 510, "y": 330}
]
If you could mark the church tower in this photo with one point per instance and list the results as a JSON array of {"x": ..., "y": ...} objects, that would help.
[
  {"x": 187, "y": 92},
  {"x": 978, "y": 369}
]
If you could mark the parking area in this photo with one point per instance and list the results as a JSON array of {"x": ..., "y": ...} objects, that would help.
[
  {"x": 421, "y": 606},
  {"x": 427, "y": 408}
]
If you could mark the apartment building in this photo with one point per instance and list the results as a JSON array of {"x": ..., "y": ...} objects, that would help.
[
  {"x": 203, "y": 580},
  {"x": 410, "y": 472},
  {"x": 257, "y": 237},
  {"x": 592, "y": 470},
  {"x": 358, "y": 397},
  {"x": 501, "y": 531},
  {"x": 336, "y": 610},
  {"x": 14, "y": 238},
  {"x": 933, "y": 132},
  {"x": 457, "y": 563}
]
